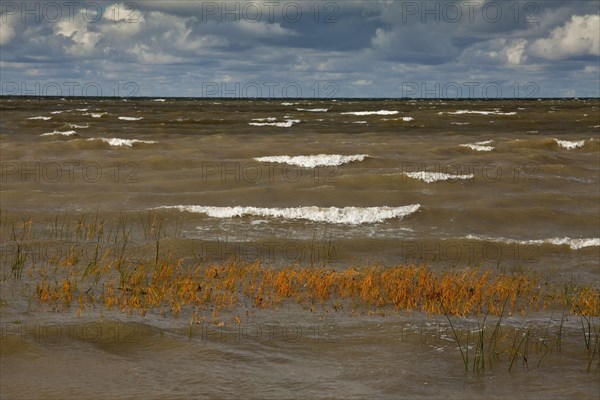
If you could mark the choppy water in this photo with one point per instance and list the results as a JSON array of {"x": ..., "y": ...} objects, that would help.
[{"x": 508, "y": 184}]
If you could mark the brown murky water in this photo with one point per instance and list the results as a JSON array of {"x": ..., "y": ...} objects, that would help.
[{"x": 508, "y": 185}]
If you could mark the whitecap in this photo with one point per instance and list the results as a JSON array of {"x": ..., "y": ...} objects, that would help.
[
  {"x": 313, "y": 109},
  {"x": 123, "y": 142},
  {"x": 65, "y": 133},
  {"x": 405, "y": 119},
  {"x": 131, "y": 118},
  {"x": 270, "y": 119},
  {"x": 333, "y": 215},
  {"x": 477, "y": 112},
  {"x": 96, "y": 115},
  {"x": 285, "y": 124},
  {"x": 40, "y": 117},
  {"x": 313, "y": 161},
  {"x": 479, "y": 146},
  {"x": 570, "y": 145},
  {"x": 380, "y": 112},
  {"x": 574, "y": 244},
  {"x": 431, "y": 177}
]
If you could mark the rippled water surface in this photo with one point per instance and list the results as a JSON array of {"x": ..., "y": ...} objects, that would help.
[{"x": 509, "y": 185}]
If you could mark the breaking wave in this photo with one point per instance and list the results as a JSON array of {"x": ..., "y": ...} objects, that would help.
[
  {"x": 333, "y": 215},
  {"x": 430, "y": 177},
  {"x": 574, "y": 244},
  {"x": 313, "y": 161}
]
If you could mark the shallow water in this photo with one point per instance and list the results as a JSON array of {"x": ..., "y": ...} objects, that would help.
[
  {"x": 508, "y": 185},
  {"x": 281, "y": 354}
]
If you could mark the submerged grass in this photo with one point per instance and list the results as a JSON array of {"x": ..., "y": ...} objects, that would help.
[
  {"x": 172, "y": 285},
  {"x": 154, "y": 280},
  {"x": 113, "y": 279}
]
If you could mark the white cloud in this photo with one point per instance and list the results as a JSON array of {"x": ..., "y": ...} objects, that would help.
[
  {"x": 499, "y": 51},
  {"x": 362, "y": 82},
  {"x": 120, "y": 21},
  {"x": 578, "y": 37},
  {"x": 149, "y": 56},
  {"x": 170, "y": 32},
  {"x": 300, "y": 64},
  {"x": 515, "y": 52},
  {"x": 118, "y": 12},
  {"x": 383, "y": 38},
  {"x": 372, "y": 51},
  {"x": 7, "y": 32},
  {"x": 83, "y": 40},
  {"x": 263, "y": 29}
]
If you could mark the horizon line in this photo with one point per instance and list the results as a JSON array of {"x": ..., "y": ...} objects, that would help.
[{"x": 300, "y": 98}]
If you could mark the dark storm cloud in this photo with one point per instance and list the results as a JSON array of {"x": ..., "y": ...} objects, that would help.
[{"x": 364, "y": 48}]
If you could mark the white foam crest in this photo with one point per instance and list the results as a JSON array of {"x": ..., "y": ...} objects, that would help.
[
  {"x": 460, "y": 123},
  {"x": 96, "y": 115},
  {"x": 313, "y": 109},
  {"x": 478, "y": 112},
  {"x": 55, "y": 132},
  {"x": 360, "y": 122},
  {"x": 430, "y": 177},
  {"x": 313, "y": 161},
  {"x": 289, "y": 104},
  {"x": 405, "y": 119},
  {"x": 380, "y": 112},
  {"x": 161, "y": 100},
  {"x": 56, "y": 112},
  {"x": 123, "y": 142},
  {"x": 570, "y": 145},
  {"x": 479, "y": 146},
  {"x": 75, "y": 126},
  {"x": 40, "y": 117},
  {"x": 574, "y": 244},
  {"x": 270, "y": 119},
  {"x": 333, "y": 215},
  {"x": 131, "y": 118},
  {"x": 285, "y": 124},
  {"x": 82, "y": 109}
]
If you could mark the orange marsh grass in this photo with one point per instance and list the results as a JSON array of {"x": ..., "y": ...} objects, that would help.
[{"x": 170, "y": 285}]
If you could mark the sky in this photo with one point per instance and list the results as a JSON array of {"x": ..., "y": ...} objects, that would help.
[{"x": 313, "y": 49}]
